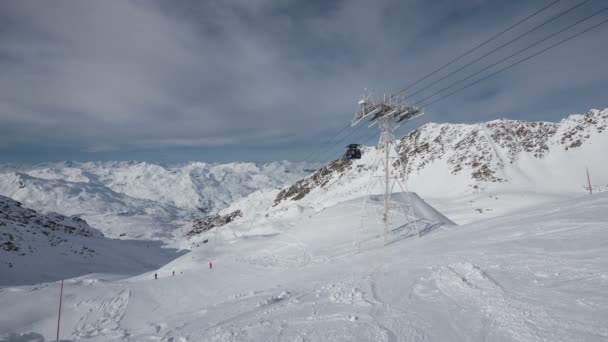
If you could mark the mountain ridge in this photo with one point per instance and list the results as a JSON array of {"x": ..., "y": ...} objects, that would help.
[
  {"x": 446, "y": 160},
  {"x": 37, "y": 247}
]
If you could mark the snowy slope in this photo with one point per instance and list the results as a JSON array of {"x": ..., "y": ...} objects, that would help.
[
  {"x": 537, "y": 275},
  {"x": 542, "y": 156},
  {"x": 36, "y": 247}
]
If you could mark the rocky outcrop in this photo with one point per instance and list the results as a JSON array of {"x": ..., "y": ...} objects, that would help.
[
  {"x": 318, "y": 179},
  {"x": 24, "y": 230},
  {"x": 200, "y": 225},
  {"x": 479, "y": 152}
]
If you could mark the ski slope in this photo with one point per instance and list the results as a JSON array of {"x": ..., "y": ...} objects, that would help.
[{"x": 535, "y": 274}]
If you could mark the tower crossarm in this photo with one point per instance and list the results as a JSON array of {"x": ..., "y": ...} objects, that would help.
[{"x": 387, "y": 113}]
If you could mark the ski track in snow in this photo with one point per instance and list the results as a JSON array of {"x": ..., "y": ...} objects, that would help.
[
  {"x": 285, "y": 254},
  {"x": 471, "y": 288},
  {"x": 255, "y": 316},
  {"x": 397, "y": 324},
  {"x": 498, "y": 280},
  {"x": 103, "y": 316}
]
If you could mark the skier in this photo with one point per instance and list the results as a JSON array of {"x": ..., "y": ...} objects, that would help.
[
  {"x": 210, "y": 265},
  {"x": 174, "y": 273},
  {"x": 155, "y": 276}
]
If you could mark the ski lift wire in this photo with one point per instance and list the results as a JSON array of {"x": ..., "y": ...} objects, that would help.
[
  {"x": 518, "y": 62},
  {"x": 477, "y": 47},
  {"x": 337, "y": 134},
  {"x": 513, "y": 55},
  {"x": 555, "y": 17},
  {"x": 509, "y": 66},
  {"x": 338, "y": 140}
]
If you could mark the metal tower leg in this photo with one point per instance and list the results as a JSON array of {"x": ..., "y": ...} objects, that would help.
[{"x": 388, "y": 114}]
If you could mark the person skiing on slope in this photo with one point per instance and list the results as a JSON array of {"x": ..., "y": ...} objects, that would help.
[
  {"x": 210, "y": 265},
  {"x": 155, "y": 275}
]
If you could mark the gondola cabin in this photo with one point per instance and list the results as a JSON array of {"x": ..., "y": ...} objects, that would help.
[{"x": 353, "y": 152}]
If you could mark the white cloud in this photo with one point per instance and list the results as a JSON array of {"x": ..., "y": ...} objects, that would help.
[{"x": 112, "y": 74}]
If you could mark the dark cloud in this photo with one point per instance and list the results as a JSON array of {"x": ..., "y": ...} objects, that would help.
[{"x": 124, "y": 75}]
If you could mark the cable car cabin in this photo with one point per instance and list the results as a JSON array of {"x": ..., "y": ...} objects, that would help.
[{"x": 352, "y": 152}]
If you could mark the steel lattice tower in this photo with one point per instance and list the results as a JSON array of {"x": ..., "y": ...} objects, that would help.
[{"x": 388, "y": 114}]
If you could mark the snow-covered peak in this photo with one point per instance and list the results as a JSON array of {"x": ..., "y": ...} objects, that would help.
[{"x": 449, "y": 160}]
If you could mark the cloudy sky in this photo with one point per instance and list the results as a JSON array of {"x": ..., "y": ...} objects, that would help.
[{"x": 259, "y": 80}]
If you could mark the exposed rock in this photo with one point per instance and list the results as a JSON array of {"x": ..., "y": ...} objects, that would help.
[
  {"x": 480, "y": 151},
  {"x": 19, "y": 226},
  {"x": 318, "y": 179},
  {"x": 204, "y": 224}
]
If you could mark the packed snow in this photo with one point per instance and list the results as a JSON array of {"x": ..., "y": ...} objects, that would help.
[{"x": 537, "y": 275}]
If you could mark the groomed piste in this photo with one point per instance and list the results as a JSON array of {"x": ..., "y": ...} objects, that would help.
[{"x": 489, "y": 280}]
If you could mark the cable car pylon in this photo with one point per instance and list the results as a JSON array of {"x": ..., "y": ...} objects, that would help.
[{"x": 388, "y": 113}]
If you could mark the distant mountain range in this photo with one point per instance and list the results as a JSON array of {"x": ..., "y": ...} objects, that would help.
[
  {"x": 150, "y": 201},
  {"x": 98, "y": 201},
  {"x": 137, "y": 199}
]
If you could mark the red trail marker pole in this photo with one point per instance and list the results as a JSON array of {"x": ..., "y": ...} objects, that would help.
[
  {"x": 589, "y": 182},
  {"x": 59, "y": 316}
]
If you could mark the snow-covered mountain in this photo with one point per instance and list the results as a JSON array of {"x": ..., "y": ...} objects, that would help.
[
  {"x": 38, "y": 247},
  {"x": 24, "y": 228},
  {"x": 450, "y": 160},
  {"x": 538, "y": 155},
  {"x": 115, "y": 214},
  {"x": 136, "y": 199},
  {"x": 193, "y": 185},
  {"x": 459, "y": 165},
  {"x": 309, "y": 262}
]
